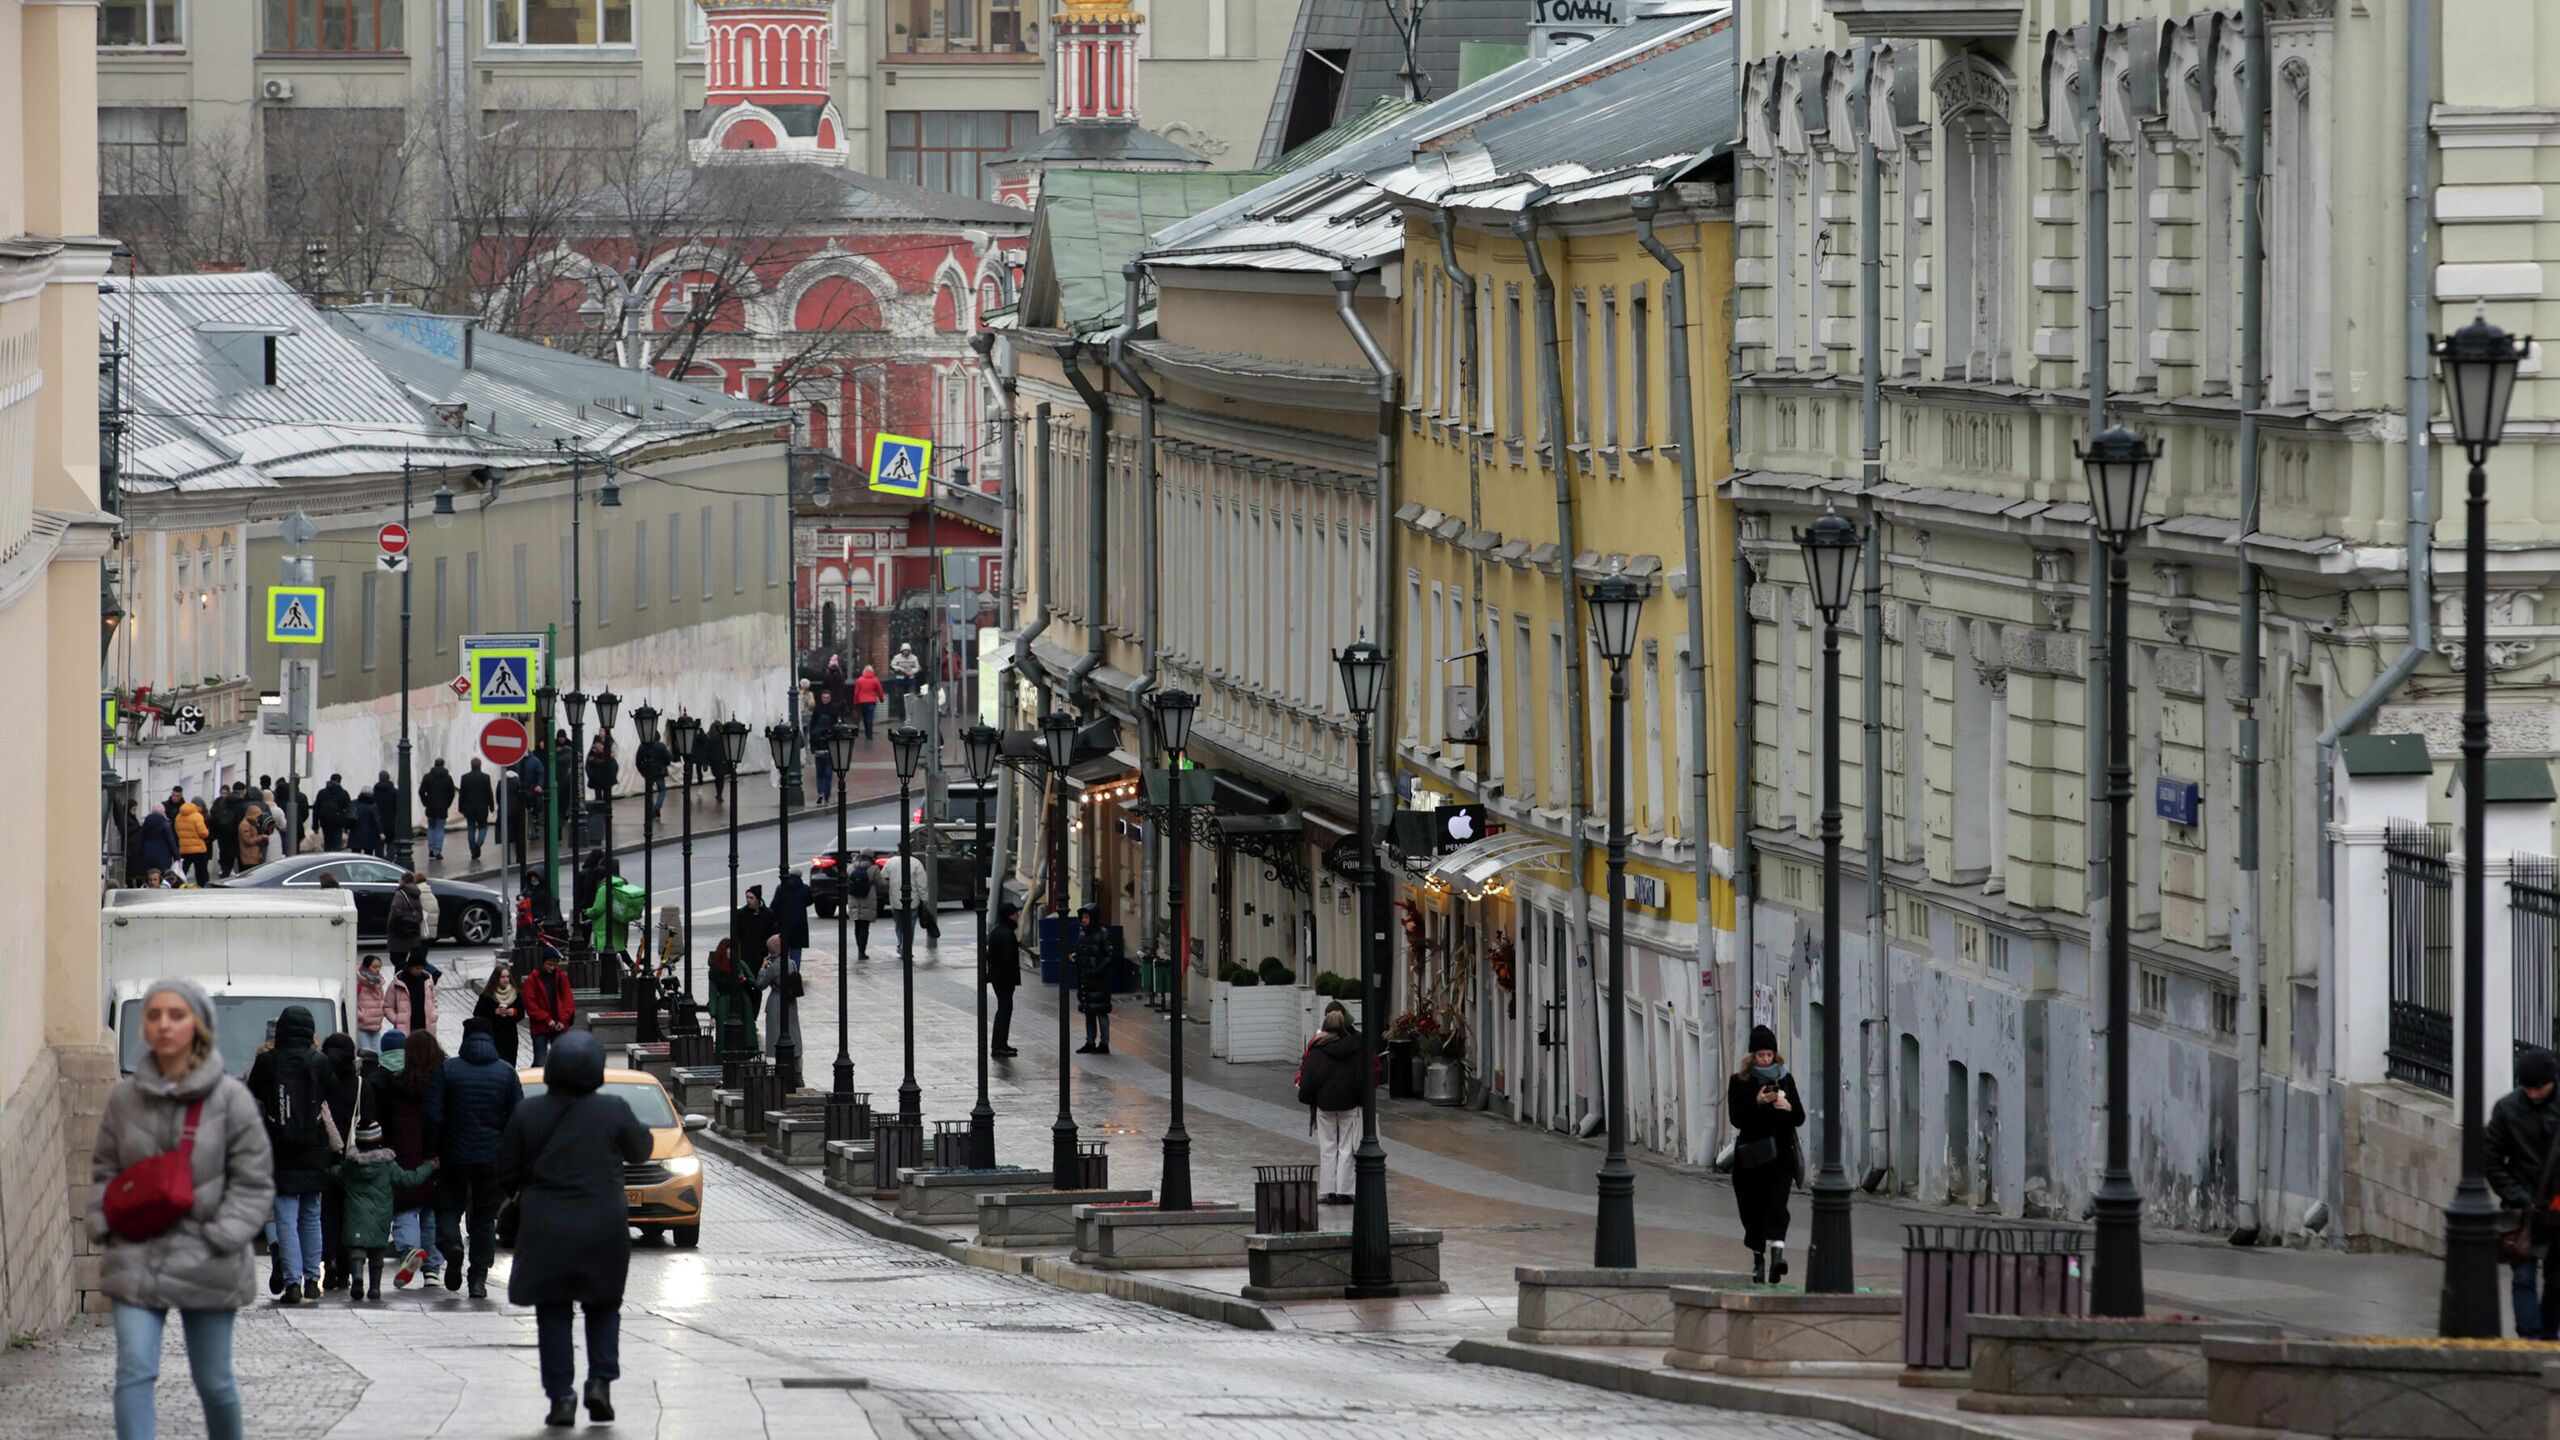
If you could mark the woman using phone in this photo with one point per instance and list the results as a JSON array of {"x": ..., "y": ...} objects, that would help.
[{"x": 1766, "y": 1113}]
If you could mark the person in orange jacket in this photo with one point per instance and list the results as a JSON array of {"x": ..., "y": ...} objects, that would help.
[{"x": 195, "y": 839}]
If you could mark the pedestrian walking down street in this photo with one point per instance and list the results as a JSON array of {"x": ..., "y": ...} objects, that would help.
[
  {"x": 602, "y": 770},
  {"x": 653, "y": 759},
  {"x": 550, "y": 1003},
  {"x": 335, "y": 810},
  {"x": 868, "y": 693},
  {"x": 407, "y": 926},
  {"x": 222, "y": 822},
  {"x": 177, "y": 796},
  {"x": 478, "y": 798},
  {"x": 1093, "y": 980},
  {"x": 818, "y": 731},
  {"x": 364, "y": 833},
  {"x": 862, "y": 898},
  {"x": 435, "y": 798},
  {"x": 430, "y": 915},
  {"x": 409, "y": 1066},
  {"x": 527, "y": 810},
  {"x": 200, "y": 1262},
  {"x": 410, "y": 1000},
  {"x": 290, "y": 1083},
  {"x": 468, "y": 1105},
  {"x": 779, "y": 978},
  {"x": 501, "y": 1009},
  {"x": 348, "y": 1106},
  {"x": 372, "y": 1005},
  {"x": 371, "y": 1173},
  {"x": 733, "y": 1000},
  {"x": 908, "y": 892},
  {"x": 791, "y": 916},
  {"x": 1767, "y": 1112},
  {"x": 157, "y": 847},
  {"x": 387, "y": 813},
  {"x": 592, "y": 874},
  {"x": 1004, "y": 976},
  {"x": 2520, "y": 1142},
  {"x": 1329, "y": 1086},
  {"x": 194, "y": 835},
  {"x": 562, "y": 1155}
]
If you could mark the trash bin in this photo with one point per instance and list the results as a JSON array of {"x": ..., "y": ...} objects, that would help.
[
  {"x": 850, "y": 1120},
  {"x": 1093, "y": 1167},
  {"x": 1284, "y": 1199},
  {"x": 1952, "y": 1272},
  {"x": 951, "y": 1144},
  {"x": 895, "y": 1145},
  {"x": 763, "y": 1090}
]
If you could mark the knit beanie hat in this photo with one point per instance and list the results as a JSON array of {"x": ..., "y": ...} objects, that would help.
[{"x": 1763, "y": 1038}]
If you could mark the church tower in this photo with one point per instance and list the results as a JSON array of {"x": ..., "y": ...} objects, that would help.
[
  {"x": 767, "y": 91},
  {"x": 1093, "y": 106}
]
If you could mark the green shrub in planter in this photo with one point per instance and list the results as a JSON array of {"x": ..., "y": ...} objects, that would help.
[
  {"x": 1243, "y": 978},
  {"x": 1328, "y": 985},
  {"x": 1228, "y": 970},
  {"x": 1276, "y": 971}
]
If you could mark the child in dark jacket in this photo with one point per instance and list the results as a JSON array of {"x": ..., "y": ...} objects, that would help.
[{"x": 371, "y": 1173}]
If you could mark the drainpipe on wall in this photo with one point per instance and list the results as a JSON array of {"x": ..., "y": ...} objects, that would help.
[
  {"x": 2415, "y": 285},
  {"x": 1693, "y": 674},
  {"x": 1150, "y": 864},
  {"x": 1023, "y": 658},
  {"x": 2094, "y": 244},
  {"x": 1470, "y": 399},
  {"x": 1871, "y": 625},
  {"x": 1383, "y": 605},
  {"x": 2245, "y": 903},
  {"x": 1097, "y": 575},
  {"x": 1577, "y": 742},
  {"x": 1000, "y": 399}
]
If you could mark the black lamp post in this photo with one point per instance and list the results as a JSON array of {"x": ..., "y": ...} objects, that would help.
[
  {"x": 981, "y": 741},
  {"x": 1364, "y": 680},
  {"x": 733, "y": 752},
  {"x": 575, "y": 702},
  {"x": 644, "y": 727},
  {"x": 1058, "y": 733},
  {"x": 906, "y": 747},
  {"x": 546, "y": 739},
  {"x": 2478, "y": 364},
  {"x": 784, "y": 741},
  {"x": 1831, "y": 548},
  {"x": 840, "y": 739},
  {"x": 683, "y": 734},
  {"x": 1616, "y": 605},
  {"x": 1175, "y": 710},
  {"x": 2118, "y": 464},
  {"x": 404, "y": 844},
  {"x": 608, "y": 709}
]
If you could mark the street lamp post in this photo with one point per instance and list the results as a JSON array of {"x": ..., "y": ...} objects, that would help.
[
  {"x": 644, "y": 727},
  {"x": 1364, "y": 678},
  {"x": 1175, "y": 710},
  {"x": 575, "y": 702},
  {"x": 444, "y": 514},
  {"x": 2118, "y": 464},
  {"x": 2478, "y": 365},
  {"x": 906, "y": 746},
  {"x": 608, "y": 709},
  {"x": 1058, "y": 734},
  {"x": 1616, "y": 605},
  {"x": 683, "y": 734},
  {"x": 1831, "y": 548},
  {"x": 733, "y": 751},
  {"x": 545, "y": 703},
  {"x": 839, "y": 741},
  {"x": 784, "y": 740},
  {"x": 981, "y": 742}
]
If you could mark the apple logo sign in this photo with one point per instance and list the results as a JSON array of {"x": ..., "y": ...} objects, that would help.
[{"x": 1462, "y": 826}]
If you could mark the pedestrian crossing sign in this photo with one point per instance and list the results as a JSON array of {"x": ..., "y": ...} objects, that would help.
[
  {"x": 295, "y": 614},
  {"x": 502, "y": 681},
  {"x": 899, "y": 466}
]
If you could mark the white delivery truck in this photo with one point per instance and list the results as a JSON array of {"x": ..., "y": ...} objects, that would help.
[{"x": 255, "y": 952}]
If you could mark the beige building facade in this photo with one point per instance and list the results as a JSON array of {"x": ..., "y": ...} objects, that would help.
[{"x": 54, "y": 1070}]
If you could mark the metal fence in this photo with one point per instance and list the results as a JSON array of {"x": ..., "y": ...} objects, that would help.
[
  {"x": 2421, "y": 893},
  {"x": 2533, "y": 912}
]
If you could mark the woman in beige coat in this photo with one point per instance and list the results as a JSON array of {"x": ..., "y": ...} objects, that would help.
[{"x": 202, "y": 1266}]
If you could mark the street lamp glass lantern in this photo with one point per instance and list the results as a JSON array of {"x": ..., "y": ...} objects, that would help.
[
  {"x": 981, "y": 742},
  {"x": 610, "y": 497},
  {"x": 1174, "y": 711},
  {"x": 784, "y": 739},
  {"x": 840, "y": 738},
  {"x": 576, "y": 701},
  {"x": 733, "y": 742},
  {"x": 906, "y": 746},
  {"x": 644, "y": 723},
  {"x": 682, "y": 732},
  {"x": 1058, "y": 732},
  {"x": 2478, "y": 366},
  {"x": 1364, "y": 676},
  {"x": 443, "y": 511},
  {"x": 1616, "y": 604},
  {"x": 2118, "y": 463},
  {"x": 608, "y": 708},
  {"x": 591, "y": 310},
  {"x": 1830, "y": 547}
]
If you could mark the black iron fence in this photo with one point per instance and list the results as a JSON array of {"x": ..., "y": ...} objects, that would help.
[
  {"x": 2533, "y": 912},
  {"x": 2420, "y": 883}
]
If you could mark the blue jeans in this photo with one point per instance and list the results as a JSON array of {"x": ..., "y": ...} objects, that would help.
[
  {"x": 138, "y": 1335},
  {"x": 541, "y": 1049},
  {"x": 826, "y": 775},
  {"x": 298, "y": 1231},
  {"x": 477, "y": 832},
  {"x": 414, "y": 1230},
  {"x": 435, "y": 839},
  {"x": 1097, "y": 1029},
  {"x": 657, "y": 795},
  {"x": 2537, "y": 1319}
]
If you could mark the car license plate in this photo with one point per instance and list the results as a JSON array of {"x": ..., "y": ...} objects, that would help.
[{"x": 632, "y": 1198}]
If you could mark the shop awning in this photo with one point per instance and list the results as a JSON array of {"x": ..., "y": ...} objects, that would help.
[{"x": 1473, "y": 866}]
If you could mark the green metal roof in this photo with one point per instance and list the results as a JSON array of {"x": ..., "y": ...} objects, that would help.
[
  {"x": 1091, "y": 222},
  {"x": 2386, "y": 755},
  {"x": 2521, "y": 780}
]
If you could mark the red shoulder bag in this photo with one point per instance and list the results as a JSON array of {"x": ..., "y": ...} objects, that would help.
[{"x": 150, "y": 1195}]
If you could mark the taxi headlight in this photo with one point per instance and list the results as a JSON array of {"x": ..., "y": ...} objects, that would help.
[{"x": 684, "y": 1165}]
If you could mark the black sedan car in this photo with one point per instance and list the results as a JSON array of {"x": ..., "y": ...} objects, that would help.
[
  {"x": 950, "y": 850},
  {"x": 466, "y": 914}
]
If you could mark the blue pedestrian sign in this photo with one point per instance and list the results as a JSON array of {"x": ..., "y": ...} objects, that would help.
[
  {"x": 502, "y": 681},
  {"x": 295, "y": 614},
  {"x": 899, "y": 465}
]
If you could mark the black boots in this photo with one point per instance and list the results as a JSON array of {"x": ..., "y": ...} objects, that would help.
[
  {"x": 1777, "y": 1261},
  {"x": 564, "y": 1412},
  {"x": 275, "y": 1270},
  {"x": 1759, "y": 1268},
  {"x": 599, "y": 1401}
]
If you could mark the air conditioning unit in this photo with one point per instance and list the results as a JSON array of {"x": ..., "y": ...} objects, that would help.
[{"x": 279, "y": 89}]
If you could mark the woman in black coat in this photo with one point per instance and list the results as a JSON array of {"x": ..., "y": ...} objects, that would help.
[
  {"x": 1767, "y": 1112},
  {"x": 1093, "y": 981},
  {"x": 562, "y": 1155}
]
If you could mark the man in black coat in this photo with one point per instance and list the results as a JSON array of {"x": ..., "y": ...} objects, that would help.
[
  {"x": 2518, "y": 1138},
  {"x": 479, "y": 800},
  {"x": 364, "y": 832},
  {"x": 652, "y": 760},
  {"x": 335, "y": 810},
  {"x": 225, "y": 821},
  {"x": 435, "y": 797},
  {"x": 1003, "y": 965},
  {"x": 563, "y": 1153},
  {"x": 526, "y": 812},
  {"x": 468, "y": 1105},
  {"x": 387, "y": 812},
  {"x": 750, "y": 925},
  {"x": 290, "y": 1081}
]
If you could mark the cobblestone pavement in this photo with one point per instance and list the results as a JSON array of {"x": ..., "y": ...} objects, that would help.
[{"x": 786, "y": 1321}]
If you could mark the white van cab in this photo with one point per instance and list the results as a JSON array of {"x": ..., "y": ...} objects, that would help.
[{"x": 254, "y": 952}]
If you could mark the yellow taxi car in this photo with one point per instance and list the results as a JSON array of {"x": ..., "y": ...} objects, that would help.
[{"x": 663, "y": 1192}]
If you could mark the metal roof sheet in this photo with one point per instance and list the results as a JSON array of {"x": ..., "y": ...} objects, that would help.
[{"x": 1091, "y": 222}]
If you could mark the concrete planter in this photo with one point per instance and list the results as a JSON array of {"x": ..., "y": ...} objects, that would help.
[
  {"x": 1788, "y": 1332},
  {"x": 693, "y": 1089},
  {"x": 1262, "y": 1023},
  {"x": 1023, "y": 1218},
  {"x": 796, "y": 1138},
  {"x": 1317, "y": 1265},
  {"x": 1698, "y": 1324},
  {"x": 612, "y": 1028},
  {"x": 1561, "y": 1306},
  {"x": 2132, "y": 1368},
  {"x": 849, "y": 1166},
  {"x": 1209, "y": 1237},
  {"x": 950, "y": 1197},
  {"x": 1218, "y": 1020},
  {"x": 729, "y": 1113},
  {"x": 2301, "y": 1389}
]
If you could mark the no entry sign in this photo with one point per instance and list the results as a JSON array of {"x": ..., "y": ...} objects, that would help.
[
  {"x": 394, "y": 538},
  {"x": 503, "y": 741}
]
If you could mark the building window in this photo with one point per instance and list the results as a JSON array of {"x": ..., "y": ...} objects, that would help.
[
  {"x": 334, "y": 27},
  {"x": 640, "y": 565},
  {"x": 949, "y": 149},
  {"x": 1581, "y": 369},
  {"x": 559, "y": 22},
  {"x": 1639, "y": 338},
  {"x": 737, "y": 547},
  {"x": 986, "y": 28},
  {"x": 556, "y": 149},
  {"x": 705, "y": 530},
  {"x": 1511, "y": 380},
  {"x": 1609, "y": 371},
  {"x": 1977, "y": 245},
  {"x": 471, "y": 593},
  {"x": 604, "y": 578},
  {"x": 2155, "y": 993},
  {"x": 142, "y": 160},
  {"x": 327, "y": 163},
  {"x": 328, "y": 635},
  {"x": 772, "y": 544},
  {"x": 367, "y": 649},
  {"x": 442, "y": 614},
  {"x": 136, "y": 24}
]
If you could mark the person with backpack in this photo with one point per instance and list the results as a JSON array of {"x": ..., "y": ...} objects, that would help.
[
  {"x": 291, "y": 1085},
  {"x": 184, "y": 1181},
  {"x": 468, "y": 1104},
  {"x": 862, "y": 899},
  {"x": 1329, "y": 1086}
]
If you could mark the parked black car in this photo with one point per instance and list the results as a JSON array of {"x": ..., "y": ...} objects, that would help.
[
  {"x": 949, "y": 850},
  {"x": 466, "y": 914}
]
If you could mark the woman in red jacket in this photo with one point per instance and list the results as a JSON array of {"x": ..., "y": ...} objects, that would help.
[
  {"x": 550, "y": 1005},
  {"x": 867, "y": 695}
]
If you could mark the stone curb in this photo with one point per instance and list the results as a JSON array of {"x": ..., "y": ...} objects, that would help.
[
  {"x": 1066, "y": 1275},
  {"x": 1881, "y": 1420}
]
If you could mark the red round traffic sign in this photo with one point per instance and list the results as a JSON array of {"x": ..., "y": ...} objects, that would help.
[
  {"x": 394, "y": 538},
  {"x": 504, "y": 741}
]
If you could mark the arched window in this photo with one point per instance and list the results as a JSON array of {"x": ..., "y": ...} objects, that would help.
[
  {"x": 1974, "y": 99},
  {"x": 2298, "y": 247},
  {"x": 949, "y": 309}
]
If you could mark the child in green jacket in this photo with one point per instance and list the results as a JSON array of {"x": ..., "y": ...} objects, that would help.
[{"x": 371, "y": 1172}]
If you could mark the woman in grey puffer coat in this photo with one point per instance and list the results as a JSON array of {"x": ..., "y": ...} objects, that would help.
[{"x": 203, "y": 1266}]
